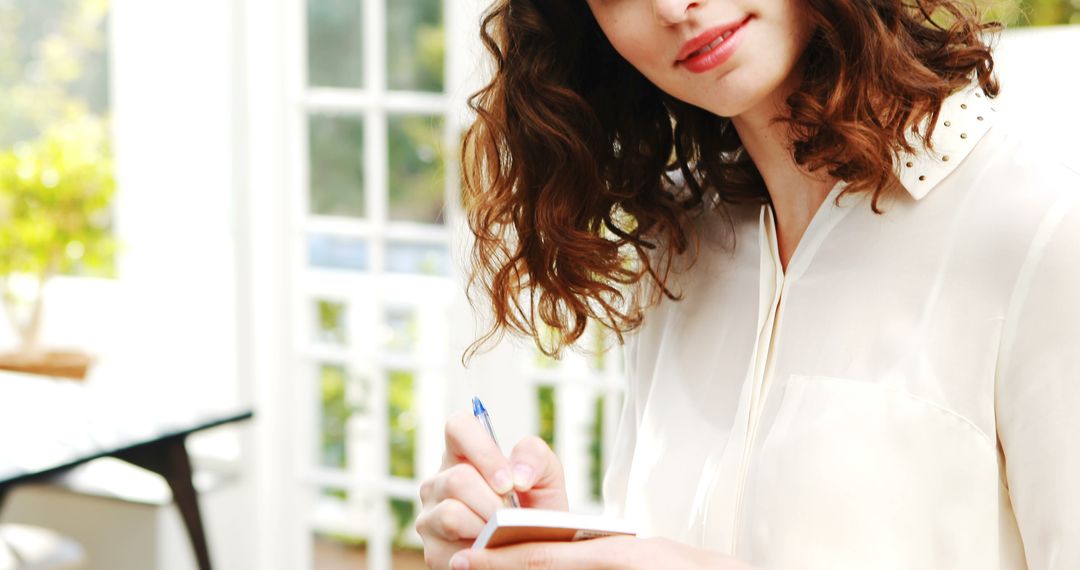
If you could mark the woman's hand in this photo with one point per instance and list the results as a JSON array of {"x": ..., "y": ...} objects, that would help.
[
  {"x": 472, "y": 483},
  {"x": 614, "y": 553}
]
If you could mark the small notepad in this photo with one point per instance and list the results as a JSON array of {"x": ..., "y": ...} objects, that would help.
[{"x": 512, "y": 526}]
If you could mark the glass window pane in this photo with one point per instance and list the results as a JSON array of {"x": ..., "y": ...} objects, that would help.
[
  {"x": 335, "y": 43},
  {"x": 330, "y": 322},
  {"x": 423, "y": 259},
  {"x": 330, "y": 251},
  {"x": 416, "y": 168},
  {"x": 334, "y": 415},
  {"x": 545, "y": 398},
  {"x": 596, "y": 451},
  {"x": 336, "y": 168},
  {"x": 54, "y": 65},
  {"x": 415, "y": 45},
  {"x": 334, "y": 493},
  {"x": 404, "y": 513},
  {"x": 402, "y": 415},
  {"x": 402, "y": 330}
]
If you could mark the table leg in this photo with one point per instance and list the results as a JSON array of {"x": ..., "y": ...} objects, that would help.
[{"x": 169, "y": 458}]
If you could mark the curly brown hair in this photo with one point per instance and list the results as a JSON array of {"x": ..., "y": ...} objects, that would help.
[{"x": 567, "y": 167}]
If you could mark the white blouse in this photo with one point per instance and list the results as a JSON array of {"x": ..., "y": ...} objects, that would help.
[{"x": 906, "y": 395}]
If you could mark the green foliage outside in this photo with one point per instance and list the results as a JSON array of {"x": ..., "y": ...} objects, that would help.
[
  {"x": 404, "y": 511},
  {"x": 416, "y": 45},
  {"x": 55, "y": 193},
  {"x": 335, "y": 43},
  {"x": 545, "y": 396},
  {"x": 402, "y": 415},
  {"x": 331, "y": 322},
  {"x": 415, "y": 55},
  {"x": 55, "y": 197},
  {"x": 56, "y": 167},
  {"x": 416, "y": 168},
  {"x": 334, "y": 416},
  {"x": 53, "y": 65},
  {"x": 596, "y": 451},
  {"x": 1018, "y": 13},
  {"x": 335, "y": 412},
  {"x": 336, "y": 175}
]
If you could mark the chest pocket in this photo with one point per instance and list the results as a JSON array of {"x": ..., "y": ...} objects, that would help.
[{"x": 856, "y": 475}]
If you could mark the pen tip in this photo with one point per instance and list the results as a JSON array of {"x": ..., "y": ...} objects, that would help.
[{"x": 477, "y": 406}]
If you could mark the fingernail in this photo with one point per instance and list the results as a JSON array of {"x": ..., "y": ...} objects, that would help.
[
  {"x": 459, "y": 562},
  {"x": 523, "y": 476},
  {"x": 502, "y": 482}
]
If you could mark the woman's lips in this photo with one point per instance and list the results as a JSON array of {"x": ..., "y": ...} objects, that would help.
[{"x": 700, "y": 62}]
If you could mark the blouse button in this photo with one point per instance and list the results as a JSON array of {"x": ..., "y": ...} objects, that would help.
[
  {"x": 948, "y": 123},
  {"x": 945, "y": 158},
  {"x": 979, "y": 117},
  {"x": 910, "y": 164},
  {"x": 963, "y": 105},
  {"x": 922, "y": 177},
  {"x": 963, "y": 135}
]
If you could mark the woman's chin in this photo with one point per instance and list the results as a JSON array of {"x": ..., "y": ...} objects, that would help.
[
  {"x": 738, "y": 93},
  {"x": 730, "y": 102}
]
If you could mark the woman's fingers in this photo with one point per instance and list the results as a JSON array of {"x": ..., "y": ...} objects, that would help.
[
  {"x": 538, "y": 475},
  {"x": 437, "y": 554},
  {"x": 449, "y": 521},
  {"x": 464, "y": 483},
  {"x": 474, "y": 479},
  {"x": 446, "y": 528},
  {"x": 468, "y": 442},
  {"x": 533, "y": 463}
]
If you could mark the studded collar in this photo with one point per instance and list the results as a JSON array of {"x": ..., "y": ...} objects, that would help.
[{"x": 965, "y": 117}]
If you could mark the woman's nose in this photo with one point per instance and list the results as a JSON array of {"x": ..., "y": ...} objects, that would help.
[{"x": 670, "y": 12}]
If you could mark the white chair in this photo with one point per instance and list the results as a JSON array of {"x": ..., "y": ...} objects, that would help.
[{"x": 24, "y": 547}]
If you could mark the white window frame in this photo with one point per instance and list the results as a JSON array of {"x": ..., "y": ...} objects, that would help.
[
  {"x": 367, "y": 437},
  {"x": 277, "y": 357}
]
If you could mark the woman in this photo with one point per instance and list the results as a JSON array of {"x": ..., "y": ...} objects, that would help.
[{"x": 851, "y": 286}]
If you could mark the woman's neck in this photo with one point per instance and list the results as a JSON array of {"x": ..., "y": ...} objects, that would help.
[{"x": 796, "y": 193}]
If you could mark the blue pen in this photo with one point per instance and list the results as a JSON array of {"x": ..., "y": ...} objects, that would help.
[{"x": 482, "y": 414}]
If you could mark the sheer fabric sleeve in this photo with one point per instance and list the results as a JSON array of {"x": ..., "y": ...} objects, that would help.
[
  {"x": 618, "y": 471},
  {"x": 1038, "y": 392}
]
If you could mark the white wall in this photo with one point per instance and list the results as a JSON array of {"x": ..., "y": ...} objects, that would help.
[
  {"x": 173, "y": 83},
  {"x": 1040, "y": 76}
]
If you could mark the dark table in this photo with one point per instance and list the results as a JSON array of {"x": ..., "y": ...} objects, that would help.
[{"x": 48, "y": 426}]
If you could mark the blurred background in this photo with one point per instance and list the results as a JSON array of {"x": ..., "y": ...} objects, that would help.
[{"x": 254, "y": 204}]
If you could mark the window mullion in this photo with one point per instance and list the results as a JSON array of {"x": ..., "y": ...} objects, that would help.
[{"x": 375, "y": 173}]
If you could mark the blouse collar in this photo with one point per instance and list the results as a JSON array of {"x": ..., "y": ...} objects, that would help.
[{"x": 965, "y": 117}]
